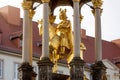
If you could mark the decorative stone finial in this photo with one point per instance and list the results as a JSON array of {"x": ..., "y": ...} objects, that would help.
[{"x": 97, "y": 3}]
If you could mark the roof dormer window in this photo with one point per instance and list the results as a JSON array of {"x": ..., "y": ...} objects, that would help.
[{"x": 16, "y": 38}]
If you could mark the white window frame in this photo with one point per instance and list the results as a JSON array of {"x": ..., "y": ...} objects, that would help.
[
  {"x": 1, "y": 68},
  {"x": 16, "y": 73}
]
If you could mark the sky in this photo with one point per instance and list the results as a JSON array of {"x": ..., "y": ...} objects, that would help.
[{"x": 110, "y": 17}]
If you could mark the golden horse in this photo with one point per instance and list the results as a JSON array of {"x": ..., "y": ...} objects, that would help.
[
  {"x": 60, "y": 38},
  {"x": 61, "y": 42}
]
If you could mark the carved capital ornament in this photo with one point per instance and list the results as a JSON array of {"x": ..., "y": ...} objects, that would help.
[
  {"x": 45, "y": 1},
  {"x": 97, "y": 3},
  {"x": 93, "y": 11},
  {"x": 27, "y": 4}
]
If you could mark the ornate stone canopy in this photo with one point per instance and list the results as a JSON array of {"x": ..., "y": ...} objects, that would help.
[{"x": 55, "y": 3}]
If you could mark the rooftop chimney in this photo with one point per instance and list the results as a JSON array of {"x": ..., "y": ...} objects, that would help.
[{"x": 11, "y": 14}]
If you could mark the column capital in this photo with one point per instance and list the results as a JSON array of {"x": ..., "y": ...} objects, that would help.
[
  {"x": 31, "y": 13},
  {"x": 76, "y": 0},
  {"x": 27, "y": 4},
  {"x": 97, "y": 3},
  {"x": 93, "y": 11},
  {"x": 45, "y": 1}
]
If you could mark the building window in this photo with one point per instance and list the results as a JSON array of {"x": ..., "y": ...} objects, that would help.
[
  {"x": 20, "y": 43},
  {"x": 16, "y": 73},
  {"x": 1, "y": 68}
]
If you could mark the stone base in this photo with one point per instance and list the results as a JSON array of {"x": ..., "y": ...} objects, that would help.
[
  {"x": 99, "y": 71},
  {"x": 26, "y": 72},
  {"x": 45, "y": 69},
  {"x": 76, "y": 69}
]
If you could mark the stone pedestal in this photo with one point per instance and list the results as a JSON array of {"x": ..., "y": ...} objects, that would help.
[
  {"x": 98, "y": 71},
  {"x": 45, "y": 69},
  {"x": 26, "y": 72},
  {"x": 76, "y": 69}
]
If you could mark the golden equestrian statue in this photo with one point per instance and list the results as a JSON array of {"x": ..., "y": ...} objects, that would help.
[
  {"x": 62, "y": 41},
  {"x": 60, "y": 38}
]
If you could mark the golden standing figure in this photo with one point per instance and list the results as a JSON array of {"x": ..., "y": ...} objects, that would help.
[{"x": 62, "y": 41}]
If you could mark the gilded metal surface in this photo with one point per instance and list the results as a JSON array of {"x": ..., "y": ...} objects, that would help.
[
  {"x": 60, "y": 38},
  {"x": 27, "y": 4},
  {"x": 31, "y": 13},
  {"x": 82, "y": 49},
  {"x": 61, "y": 42},
  {"x": 81, "y": 18},
  {"x": 97, "y": 3},
  {"x": 45, "y": 1}
]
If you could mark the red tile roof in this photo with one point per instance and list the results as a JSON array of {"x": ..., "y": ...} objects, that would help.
[{"x": 109, "y": 50}]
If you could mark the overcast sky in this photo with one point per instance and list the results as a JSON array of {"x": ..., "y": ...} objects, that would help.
[{"x": 110, "y": 17}]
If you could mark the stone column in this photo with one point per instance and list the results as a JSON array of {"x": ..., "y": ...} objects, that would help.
[
  {"x": 45, "y": 65},
  {"x": 26, "y": 30},
  {"x": 98, "y": 41},
  {"x": 31, "y": 14},
  {"x": 98, "y": 68},
  {"x": 45, "y": 33},
  {"x": 76, "y": 27},
  {"x": 76, "y": 64},
  {"x": 26, "y": 69}
]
